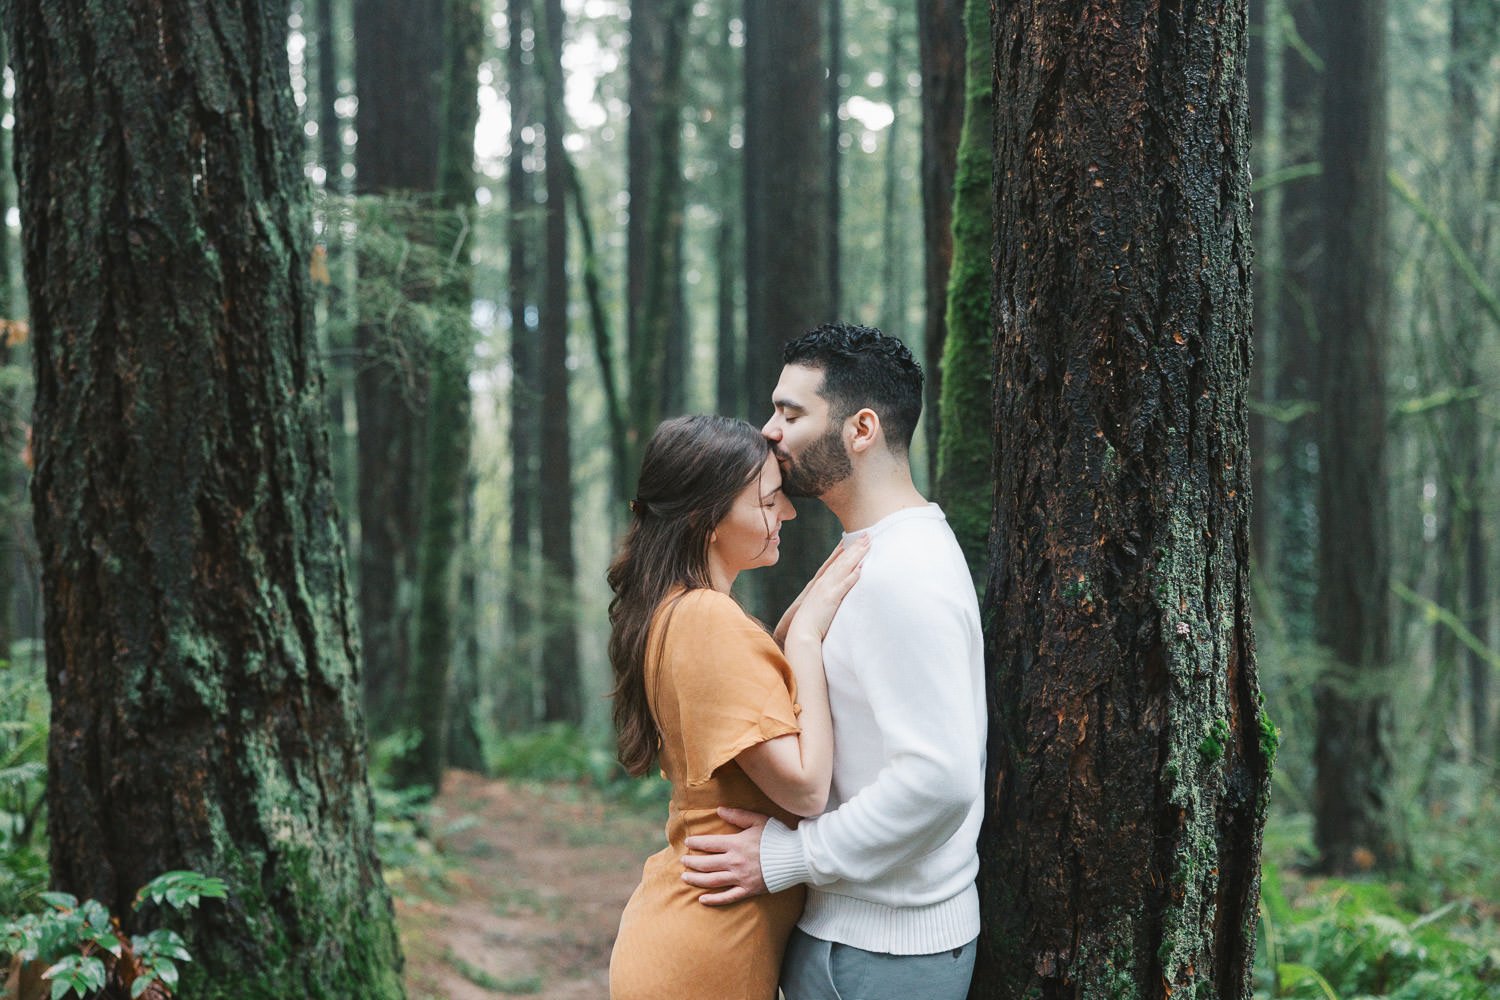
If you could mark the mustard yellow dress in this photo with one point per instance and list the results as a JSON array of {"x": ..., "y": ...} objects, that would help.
[{"x": 717, "y": 684}]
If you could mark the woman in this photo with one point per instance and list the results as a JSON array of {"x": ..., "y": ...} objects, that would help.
[{"x": 702, "y": 686}]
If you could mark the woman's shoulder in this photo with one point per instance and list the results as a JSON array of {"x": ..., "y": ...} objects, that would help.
[
  {"x": 704, "y": 616},
  {"x": 703, "y": 602}
]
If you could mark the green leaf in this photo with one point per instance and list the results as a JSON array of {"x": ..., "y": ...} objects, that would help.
[
  {"x": 59, "y": 901},
  {"x": 142, "y": 984}
]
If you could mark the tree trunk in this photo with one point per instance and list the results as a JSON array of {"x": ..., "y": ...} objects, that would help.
[
  {"x": 1291, "y": 375},
  {"x": 835, "y": 27},
  {"x": 398, "y": 60},
  {"x": 941, "y": 37},
  {"x": 1475, "y": 27},
  {"x": 1129, "y": 759},
  {"x": 786, "y": 235},
  {"x": 1353, "y": 825},
  {"x": 562, "y": 695},
  {"x": 449, "y": 427},
  {"x": 200, "y": 654},
  {"x": 964, "y": 484},
  {"x": 655, "y": 227},
  {"x": 518, "y": 703}
]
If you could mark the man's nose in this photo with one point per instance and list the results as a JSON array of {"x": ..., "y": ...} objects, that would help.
[{"x": 772, "y": 429}]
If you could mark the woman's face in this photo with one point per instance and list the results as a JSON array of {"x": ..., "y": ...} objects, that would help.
[{"x": 750, "y": 534}]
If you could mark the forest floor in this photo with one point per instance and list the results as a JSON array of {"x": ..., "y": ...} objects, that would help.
[{"x": 530, "y": 896}]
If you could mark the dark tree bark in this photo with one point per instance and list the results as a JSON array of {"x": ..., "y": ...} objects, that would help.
[
  {"x": 200, "y": 654},
  {"x": 1352, "y": 822},
  {"x": 654, "y": 231},
  {"x": 518, "y": 704},
  {"x": 965, "y": 484},
  {"x": 1129, "y": 759},
  {"x": 562, "y": 695},
  {"x": 786, "y": 234},
  {"x": 941, "y": 38},
  {"x": 398, "y": 60}
]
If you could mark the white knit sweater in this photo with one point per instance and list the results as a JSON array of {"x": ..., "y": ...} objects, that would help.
[{"x": 891, "y": 864}]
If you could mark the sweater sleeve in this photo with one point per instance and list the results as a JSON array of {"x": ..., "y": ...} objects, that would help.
[{"x": 911, "y": 652}]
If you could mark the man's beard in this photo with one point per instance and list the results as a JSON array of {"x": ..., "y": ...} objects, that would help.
[{"x": 824, "y": 465}]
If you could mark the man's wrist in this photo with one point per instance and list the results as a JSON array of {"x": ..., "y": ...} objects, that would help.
[{"x": 782, "y": 861}]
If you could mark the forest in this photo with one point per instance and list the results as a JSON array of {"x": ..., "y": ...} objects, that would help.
[{"x": 331, "y": 332}]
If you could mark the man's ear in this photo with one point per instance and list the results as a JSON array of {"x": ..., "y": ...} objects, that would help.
[{"x": 863, "y": 430}]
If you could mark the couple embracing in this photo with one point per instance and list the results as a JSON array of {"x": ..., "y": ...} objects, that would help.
[{"x": 826, "y": 777}]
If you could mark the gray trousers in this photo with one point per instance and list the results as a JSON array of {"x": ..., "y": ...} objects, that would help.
[{"x": 814, "y": 969}]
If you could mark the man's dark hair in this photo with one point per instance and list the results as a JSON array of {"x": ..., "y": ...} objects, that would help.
[{"x": 863, "y": 367}]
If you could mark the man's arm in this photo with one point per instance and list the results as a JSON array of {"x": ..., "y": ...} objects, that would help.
[{"x": 728, "y": 863}]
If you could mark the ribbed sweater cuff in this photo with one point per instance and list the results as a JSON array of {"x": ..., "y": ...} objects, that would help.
[{"x": 782, "y": 863}]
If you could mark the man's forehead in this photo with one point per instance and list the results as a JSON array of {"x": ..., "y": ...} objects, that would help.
[{"x": 801, "y": 385}]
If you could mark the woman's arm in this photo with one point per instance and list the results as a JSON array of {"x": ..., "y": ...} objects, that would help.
[{"x": 795, "y": 770}]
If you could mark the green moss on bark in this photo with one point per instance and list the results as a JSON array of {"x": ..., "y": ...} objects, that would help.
[{"x": 964, "y": 485}]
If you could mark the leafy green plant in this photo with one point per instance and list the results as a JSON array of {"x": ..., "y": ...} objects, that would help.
[
  {"x": 1349, "y": 939},
  {"x": 23, "y": 775},
  {"x": 85, "y": 952}
]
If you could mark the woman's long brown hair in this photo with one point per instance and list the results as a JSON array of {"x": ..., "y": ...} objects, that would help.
[{"x": 694, "y": 468}]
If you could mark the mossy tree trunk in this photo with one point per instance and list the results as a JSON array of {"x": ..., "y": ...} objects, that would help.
[
  {"x": 1129, "y": 759},
  {"x": 200, "y": 654},
  {"x": 786, "y": 237},
  {"x": 964, "y": 483},
  {"x": 943, "y": 52},
  {"x": 1353, "y": 821},
  {"x": 562, "y": 693}
]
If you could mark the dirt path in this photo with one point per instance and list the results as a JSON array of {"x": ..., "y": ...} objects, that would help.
[{"x": 531, "y": 906}]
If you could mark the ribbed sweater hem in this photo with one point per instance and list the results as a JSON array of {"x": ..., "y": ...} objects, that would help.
[{"x": 892, "y": 930}]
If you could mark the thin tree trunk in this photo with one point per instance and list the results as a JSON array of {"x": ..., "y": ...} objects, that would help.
[
  {"x": 201, "y": 657},
  {"x": 1293, "y": 376},
  {"x": 1353, "y": 825},
  {"x": 1129, "y": 760},
  {"x": 398, "y": 60},
  {"x": 518, "y": 706},
  {"x": 965, "y": 484},
  {"x": 786, "y": 234},
  {"x": 654, "y": 230},
  {"x": 940, "y": 34},
  {"x": 562, "y": 696},
  {"x": 449, "y": 427},
  {"x": 835, "y": 155}
]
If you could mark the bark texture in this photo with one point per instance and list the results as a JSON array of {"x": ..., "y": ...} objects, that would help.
[
  {"x": 1129, "y": 757},
  {"x": 200, "y": 654}
]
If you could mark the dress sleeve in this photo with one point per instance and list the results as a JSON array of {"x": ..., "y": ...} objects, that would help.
[{"x": 732, "y": 686}]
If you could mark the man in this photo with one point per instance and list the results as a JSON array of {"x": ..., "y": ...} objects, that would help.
[{"x": 892, "y": 911}]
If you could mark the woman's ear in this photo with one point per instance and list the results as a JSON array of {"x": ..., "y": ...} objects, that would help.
[{"x": 864, "y": 429}]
